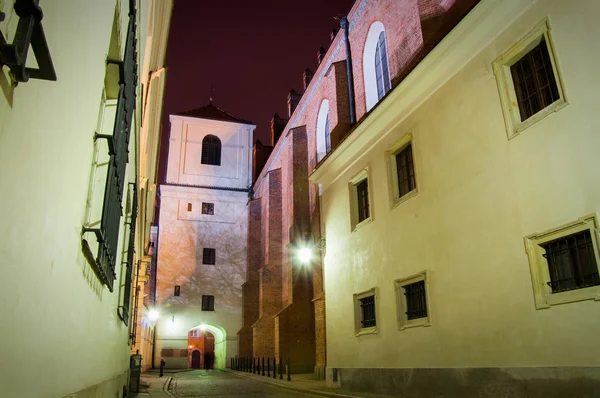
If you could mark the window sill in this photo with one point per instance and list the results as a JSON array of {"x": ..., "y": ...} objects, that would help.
[
  {"x": 519, "y": 127},
  {"x": 572, "y": 296},
  {"x": 362, "y": 224},
  {"x": 398, "y": 201},
  {"x": 366, "y": 331},
  {"x": 414, "y": 323}
]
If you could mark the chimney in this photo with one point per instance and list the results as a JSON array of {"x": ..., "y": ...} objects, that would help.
[
  {"x": 260, "y": 155},
  {"x": 320, "y": 55},
  {"x": 293, "y": 100},
  {"x": 333, "y": 33},
  {"x": 277, "y": 126},
  {"x": 307, "y": 77}
]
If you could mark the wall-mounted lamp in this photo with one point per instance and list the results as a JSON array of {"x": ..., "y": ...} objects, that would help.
[
  {"x": 153, "y": 315},
  {"x": 308, "y": 247}
]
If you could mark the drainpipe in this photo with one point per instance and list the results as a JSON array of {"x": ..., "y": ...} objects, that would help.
[{"x": 344, "y": 24}]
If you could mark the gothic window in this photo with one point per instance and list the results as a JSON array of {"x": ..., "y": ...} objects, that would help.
[
  {"x": 211, "y": 150},
  {"x": 382, "y": 72}
]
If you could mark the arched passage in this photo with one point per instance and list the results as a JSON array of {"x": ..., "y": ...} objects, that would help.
[{"x": 220, "y": 342}]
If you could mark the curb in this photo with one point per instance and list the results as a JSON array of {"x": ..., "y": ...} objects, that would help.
[
  {"x": 166, "y": 387},
  {"x": 298, "y": 389}
]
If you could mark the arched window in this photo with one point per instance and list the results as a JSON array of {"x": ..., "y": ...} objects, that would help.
[
  {"x": 211, "y": 150},
  {"x": 376, "y": 71},
  {"x": 382, "y": 71},
  {"x": 323, "y": 131}
]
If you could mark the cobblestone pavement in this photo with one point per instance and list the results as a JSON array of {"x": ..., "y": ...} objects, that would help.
[{"x": 216, "y": 383}]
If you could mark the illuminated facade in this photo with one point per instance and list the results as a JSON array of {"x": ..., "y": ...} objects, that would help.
[
  {"x": 202, "y": 238},
  {"x": 74, "y": 154}
]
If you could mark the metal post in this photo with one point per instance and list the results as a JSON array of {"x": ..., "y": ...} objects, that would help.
[
  {"x": 289, "y": 370},
  {"x": 274, "y": 368},
  {"x": 269, "y": 367},
  {"x": 280, "y": 368},
  {"x": 263, "y": 366}
]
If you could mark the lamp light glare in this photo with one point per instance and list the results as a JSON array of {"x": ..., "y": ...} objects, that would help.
[
  {"x": 202, "y": 327},
  {"x": 304, "y": 255},
  {"x": 153, "y": 315}
]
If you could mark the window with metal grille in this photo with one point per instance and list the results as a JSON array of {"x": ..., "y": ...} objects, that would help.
[
  {"x": 327, "y": 136},
  {"x": 534, "y": 81},
  {"x": 208, "y": 208},
  {"x": 209, "y": 256},
  {"x": 367, "y": 309},
  {"x": 382, "y": 71},
  {"x": 211, "y": 150},
  {"x": 362, "y": 194},
  {"x": 405, "y": 171},
  {"x": 416, "y": 302},
  {"x": 177, "y": 291},
  {"x": 208, "y": 303},
  {"x": 571, "y": 262},
  {"x": 107, "y": 234}
]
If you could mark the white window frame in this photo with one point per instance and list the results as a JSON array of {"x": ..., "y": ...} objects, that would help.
[
  {"x": 358, "y": 329},
  {"x": 508, "y": 97},
  {"x": 368, "y": 63},
  {"x": 538, "y": 266},
  {"x": 352, "y": 188},
  {"x": 403, "y": 322},
  {"x": 390, "y": 156}
]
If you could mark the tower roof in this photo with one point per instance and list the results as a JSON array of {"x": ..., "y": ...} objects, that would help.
[{"x": 213, "y": 113}]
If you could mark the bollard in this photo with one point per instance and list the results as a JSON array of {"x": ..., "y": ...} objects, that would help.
[
  {"x": 269, "y": 367},
  {"x": 274, "y": 368},
  {"x": 263, "y": 366},
  {"x": 280, "y": 368},
  {"x": 289, "y": 370},
  {"x": 253, "y": 365}
]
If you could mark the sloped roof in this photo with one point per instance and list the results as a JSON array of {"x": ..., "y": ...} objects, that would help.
[{"x": 213, "y": 113}]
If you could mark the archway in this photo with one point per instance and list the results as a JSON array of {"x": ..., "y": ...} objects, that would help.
[{"x": 212, "y": 337}]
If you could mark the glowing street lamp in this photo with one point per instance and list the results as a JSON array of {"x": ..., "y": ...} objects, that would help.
[
  {"x": 305, "y": 255},
  {"x": 153, "y": 315}
]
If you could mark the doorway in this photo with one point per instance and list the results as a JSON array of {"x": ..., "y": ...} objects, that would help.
[{"x": 196, "y": 359}]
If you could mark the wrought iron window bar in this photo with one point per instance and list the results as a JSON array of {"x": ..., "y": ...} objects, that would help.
[
  {"x": 367, "y": 305},
  {"x": 29, "y": 33},
  {"x": 124, "y": 309},
  {"x": 571, "y": 262},
  {"x": 416, "y": 302},
  {"x": 108, "y": 233}
]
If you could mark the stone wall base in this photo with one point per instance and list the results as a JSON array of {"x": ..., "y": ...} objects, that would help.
[
  {"x": 110, "y": 388},
  {"x": 534, "y": 382}
]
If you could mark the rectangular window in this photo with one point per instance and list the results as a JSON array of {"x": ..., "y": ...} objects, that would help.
[
  {"x": 208, "y": 303},
  {"x": 362, "y": 193},
  {"x": 208, "y": 208},
  {"x": 564, "y": 263},
  {"x": 367, "y": 306},
  {"x": 412, "y": 301},
  {"x": 405, "y": 171},
  {"x": 416, "y": 304},
  {"x": 529, "y": 80},
  {"x": 177, "y": 291},
  {"x": 535, "y": 84},
  {"x": 571, "y": 262},
  {"x": 209, "y": 256},
  {"x": 189, "y": 207}
]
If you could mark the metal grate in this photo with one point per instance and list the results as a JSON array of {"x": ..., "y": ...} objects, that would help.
[
  {"x": 367, "y": 305},
  {"x": 416, "y": 302},
  {"x": 534, "y": 80},
  {"x": 177, "y": 291},
  {"x": 362, "y": 193},
  {"x": 405, "y": 170},
  {"x": 209, "y": 256},
  {"x": 571, "y": 262},
  {"x": 211, "y": 150},
  {"x": 208, "y": 208},
  {"x": 208, "y": 303}
]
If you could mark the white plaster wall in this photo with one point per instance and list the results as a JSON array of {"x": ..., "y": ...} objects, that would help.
[
  {"x": 185, "y": 150},
  {"x": 479, "y": 195},
  {"x": 182, "y": 236},
  {"x": 59, "y": 328}
]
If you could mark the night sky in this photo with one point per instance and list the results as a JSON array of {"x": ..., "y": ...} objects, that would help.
[{"x": 251, "y": 52}]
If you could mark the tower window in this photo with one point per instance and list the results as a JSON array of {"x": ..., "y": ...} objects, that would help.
[{"x": 211, "y": 150}]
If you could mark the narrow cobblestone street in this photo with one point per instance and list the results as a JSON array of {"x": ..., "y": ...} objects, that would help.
[{"x": 216, "y": 383}]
